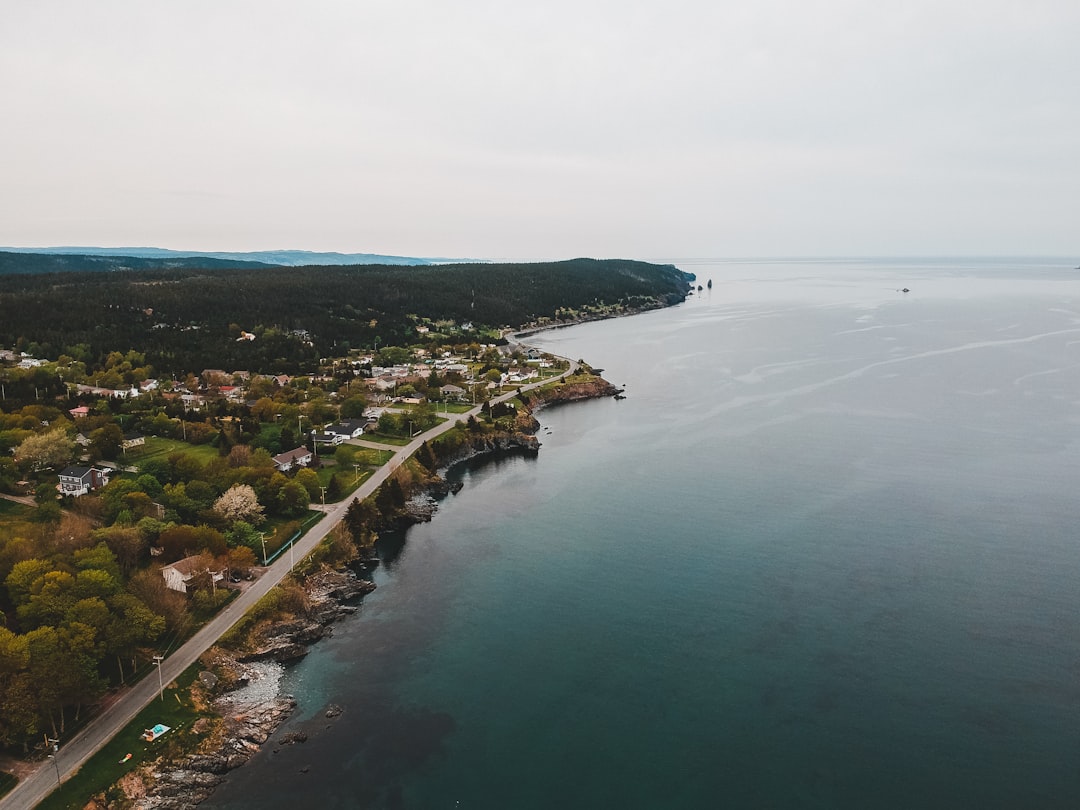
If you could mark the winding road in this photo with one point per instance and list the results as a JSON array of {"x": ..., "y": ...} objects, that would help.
[{"x": 74, "y": 752}]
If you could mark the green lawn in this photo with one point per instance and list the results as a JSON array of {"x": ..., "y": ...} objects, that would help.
[
  {"x": 349, "y": 476},
  {"x": 105, "y": 767},
  {"x": 278, "y": 530},
  {"x": 157, "y": 447},
  {"x": 384, "y": 438}
]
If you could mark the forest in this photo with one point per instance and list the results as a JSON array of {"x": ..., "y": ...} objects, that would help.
[{"x": 186, "y": 318}]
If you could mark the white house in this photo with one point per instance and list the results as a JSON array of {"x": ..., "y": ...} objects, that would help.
[
  {"x": 349, "y": 428},
  {"x": 300, "y": 457}
]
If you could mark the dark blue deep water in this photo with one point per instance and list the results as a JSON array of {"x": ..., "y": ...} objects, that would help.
[{"x": 825, "y": 555}]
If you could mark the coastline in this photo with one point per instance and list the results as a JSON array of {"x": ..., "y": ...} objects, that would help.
[{"x": 244, "y": 688}]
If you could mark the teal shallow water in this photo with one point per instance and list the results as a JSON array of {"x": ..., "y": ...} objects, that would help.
[{"x": 824, "y": 555}]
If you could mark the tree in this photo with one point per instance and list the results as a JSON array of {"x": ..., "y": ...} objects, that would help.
[
  {"x": 17, "y": 716},
  {"x": 353, "y": 407},
  {"x": 149, "y": 586},
  {"x": 50, "y": 449},
  {"x": 360, "y": 521},
  {"x": 243, "y": 534},
  {"x": 240, "y": 502},
  {"x": 240, "y": 455},
  {"x": 106, "y": 442},
  {"x": 264, "y": 409},
  {"x": 131, "y": 623},
  {"x": 129, "y": 544},
  {"x": 333, "y": 488},
  {"x": 309, "y": 479},
  {"x": 240, "y": 558},
  {"x": 426, "y": 456},
  {"x": 293, "y": 499},
  {"x": 182, "y": 541},
  {"x": 21, "y": 580}
]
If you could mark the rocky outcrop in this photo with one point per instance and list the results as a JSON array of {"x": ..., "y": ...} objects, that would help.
[
  {"x": 595, "y": 388},
  {"x": 249, "y": 709},
  {"x": 327, "y": 592},
  {"x": 183, "y": 785}
]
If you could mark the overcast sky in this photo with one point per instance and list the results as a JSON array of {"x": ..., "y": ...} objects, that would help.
[{"x": 659, "y": 129}]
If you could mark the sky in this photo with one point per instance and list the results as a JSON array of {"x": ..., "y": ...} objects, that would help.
[{"x": 608, "y": 128}]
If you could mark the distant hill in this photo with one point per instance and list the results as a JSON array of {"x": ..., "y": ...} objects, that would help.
[
  {"x": 36, "y": 263},
  {"x": 274, "y": 258}
]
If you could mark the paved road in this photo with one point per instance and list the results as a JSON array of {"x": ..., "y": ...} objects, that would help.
[{"x": 74, "y": 752}]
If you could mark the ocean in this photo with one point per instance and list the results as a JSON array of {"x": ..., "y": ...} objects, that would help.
[{"x": 824, "y": 555}]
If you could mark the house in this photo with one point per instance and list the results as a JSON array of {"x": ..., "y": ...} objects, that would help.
[
  {"x": 327, "y": 437},
  {"x": 78, "y": 481},
  {"x": 350, "y": 428},
  {"x": 233, "y": 393},
  {"x": 180, "y": 575},
  {"x": 79, "y": 413},
  {"x": 82, "y": 440},
  {"x": 451, "y": 391},
  {"x": 300, "y": 457}
]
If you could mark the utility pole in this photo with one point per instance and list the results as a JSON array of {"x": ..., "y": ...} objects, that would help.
[
  {"x": 54, "y": 755},
  {"x": 161, "y": 685},
  {"x": 262, "y": 537},
  {"x": 356, "y": 467},
  {"x": 323, "y": 496}
]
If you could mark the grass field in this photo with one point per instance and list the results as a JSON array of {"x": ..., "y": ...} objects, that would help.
[
  {"x": 16, "y": 520},
  {"x": 157, "y": 447},
  {"x": 383, "y": 438}
]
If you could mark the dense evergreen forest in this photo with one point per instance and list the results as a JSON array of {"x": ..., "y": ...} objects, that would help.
[{"x": 186, "y": 318}]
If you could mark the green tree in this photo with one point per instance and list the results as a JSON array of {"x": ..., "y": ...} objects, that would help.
[
  {"x": 106, "y": 442},
  {"x": 352, "y": 407},
  {"x": 309, "y": 480},
  {"x": 129, "y": 544},
  {"x": 360, "y": 520},
  {"x": 131, "y": 624},
  {"x": 293, "y": 499},
  {"x": 17, "y": 715},
  {"x": 243, "y": 534}
]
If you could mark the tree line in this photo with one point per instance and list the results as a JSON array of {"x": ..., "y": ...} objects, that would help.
[{"x": 187, "y": 318}]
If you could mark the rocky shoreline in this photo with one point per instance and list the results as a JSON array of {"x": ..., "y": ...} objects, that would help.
[{"x": 243, "y": 688}]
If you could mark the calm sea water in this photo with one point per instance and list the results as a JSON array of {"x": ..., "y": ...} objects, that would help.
[{"x": 825, "y": 555}]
